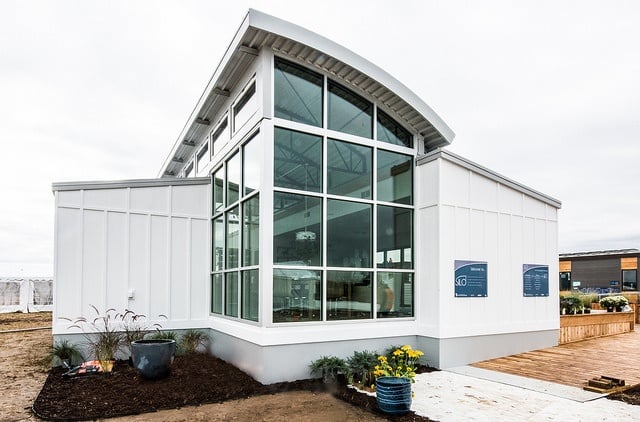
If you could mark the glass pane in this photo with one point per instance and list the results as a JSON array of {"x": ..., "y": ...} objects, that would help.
[
  {"x": 219, "y": 137},
  {"x": 349, "y": 228},
  {"x": 390, "y": 131},
  {"x": 216, "y": 293},
  {"x": 394, "y": 295},
  {"x": 251, "y": 231},
  {"x": 218, "y": 190},
  {"x": 348, "y": 112},
  {"x": 297, "y": 229},
  {"x": 629, "y": 280},
  {"x": 395, "y": 237},
  {"x": 297, "y": 160},
  {"x": 231, "y": 294},
  {"x": 218, "y": 243},
  {"x": 250, "y": 289},
  {"x": 252, "y": 168},
  {"x": 349, "y": 295},
  {"x": 245, "y": 108},
  {"x": 298, "y": 94},
  {"x": 297, "y": 295},
  {"x": 233, "y": 238},
  {"x": 233, "y": 179},
  {"x": 349, "y": 169},
  {"x": 203, "y": 158},
  {"x": 395, "y": 177}
]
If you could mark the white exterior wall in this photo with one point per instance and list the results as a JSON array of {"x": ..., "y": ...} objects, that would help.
[
  {"x": 143, "y": 247},
  {"x": 467, "y": 213}
]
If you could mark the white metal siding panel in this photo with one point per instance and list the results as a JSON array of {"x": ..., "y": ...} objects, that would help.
[
  {"x": 139, "y": 262},
  {"x": 159, "y": 269},
  {"x": 150, "y": 200},
  {"x": 198, "y": 289},
  {"x": 117, "y": 251},
  {"x": 105, "y": 199},
  {"x": 180, "y": 250},
  {"x": 68, "y": 263},
  {"x": 93, "y": 260}
]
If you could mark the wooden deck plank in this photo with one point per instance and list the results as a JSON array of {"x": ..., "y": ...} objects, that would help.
[{"x": 576, "y": 363}]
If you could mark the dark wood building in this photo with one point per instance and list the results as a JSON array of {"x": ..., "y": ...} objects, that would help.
[{"x": 606, "y": 271}]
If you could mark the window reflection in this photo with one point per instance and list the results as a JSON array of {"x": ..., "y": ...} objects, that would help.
[
  {"x": 349, "y": 295},
  {"x": 395, "y": 177},
  {"x": 394, "y": 293},
  {"x": 232, "y": 242},
  {"x": 297, "y": 160},
  {"x": 388, "y": 130},
  {"x": 395, "y": 237},
  {"x": 252, "y": 168},
  {"x": 218, "y": 243},
  {"x": 233, "y": 179},
  {"x": 349, "y": 238},
  {"x": 231, "y": 294},
  {"x": 250, "y": 295},
  {"x": 251, "y": 231},
  {"x": 218, "y": 189},
  {"x": 297, "y": 229},
  {"x": 297, "y": 93},
  {"x": 216, "y": 293},
  {"x": 297, "y": 295},
  {"x": 349, "y": 169},
  {"x": 349, "y": 112}
]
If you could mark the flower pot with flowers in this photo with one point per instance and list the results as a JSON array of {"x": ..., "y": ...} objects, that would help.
[
  {"x": 614, "y": 302},
  {"x": 394, "y": 374}
]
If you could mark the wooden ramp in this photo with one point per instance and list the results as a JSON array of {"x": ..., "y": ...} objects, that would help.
[{"x": 575, "y": 364}]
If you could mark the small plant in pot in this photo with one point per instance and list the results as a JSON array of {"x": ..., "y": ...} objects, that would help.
[
  {"x": 394, "y": 374},
  {"x": 329, "y": 367}
]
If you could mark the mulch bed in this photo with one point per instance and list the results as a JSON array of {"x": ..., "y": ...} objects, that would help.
[
  {"x": 194, "y": 380},
  {"x": 630, "y": 395}
]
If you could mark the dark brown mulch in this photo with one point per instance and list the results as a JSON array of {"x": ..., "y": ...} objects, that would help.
[{"x": 194, "y": 380}]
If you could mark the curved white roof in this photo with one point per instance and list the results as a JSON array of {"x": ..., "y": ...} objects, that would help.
[{"x": 259, "y": 30}]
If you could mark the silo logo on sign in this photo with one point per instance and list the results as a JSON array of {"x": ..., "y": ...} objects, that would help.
[{"x": 470, "y": 278}]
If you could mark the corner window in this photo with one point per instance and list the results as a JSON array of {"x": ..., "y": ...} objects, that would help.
[
  {"x": 298, "y": 93},
  {"x": 394, "y": 293},
  {"x": 349, "y": 233},
  {"x": 349, "y": 295},
  {"x": 297, "y": 295},
  {"x": 297, "y": 229},
  {"x": 395, "y": 237},
  {"x": 349, "y": 112}
]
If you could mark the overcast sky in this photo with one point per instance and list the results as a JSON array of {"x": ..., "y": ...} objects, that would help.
[{"x": 546, "y": 93}]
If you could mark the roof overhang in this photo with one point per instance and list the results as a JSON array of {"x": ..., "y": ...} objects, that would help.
[{"x": 259, "y": 30}]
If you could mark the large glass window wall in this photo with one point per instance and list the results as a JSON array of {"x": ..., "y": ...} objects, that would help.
[
  {"x": 235, "y": 237},
  {"x": 342, "y": 207}
]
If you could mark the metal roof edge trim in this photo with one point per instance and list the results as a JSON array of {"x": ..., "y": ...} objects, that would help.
[
  {"x": 475, "y": 167},
  {"x": 132, "y": 183},
  {"x": 263, "y": 21},
  {"x": 242, "y": 29}
]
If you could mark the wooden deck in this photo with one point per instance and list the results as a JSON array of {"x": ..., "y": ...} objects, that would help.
[{"x": 575, "y": 363}]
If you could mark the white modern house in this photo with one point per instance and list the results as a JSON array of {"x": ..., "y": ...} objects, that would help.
[{"x": 308, "y": 208}]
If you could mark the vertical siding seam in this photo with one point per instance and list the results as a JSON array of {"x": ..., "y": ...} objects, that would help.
[
  {"x": 169, "y": 253},
  {"x": 127, "y": 246},
  {"x": 81, "y": 251},
  {"x": 105, "y": 257}
]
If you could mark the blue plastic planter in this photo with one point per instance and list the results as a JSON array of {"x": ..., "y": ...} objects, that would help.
[{"x": 393, "y": 395}]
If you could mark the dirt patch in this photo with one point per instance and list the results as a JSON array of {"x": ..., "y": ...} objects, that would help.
[{"x": 631, "y": 395}]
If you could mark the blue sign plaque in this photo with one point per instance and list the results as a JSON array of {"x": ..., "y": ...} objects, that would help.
[
  {"x": 535, "y": 280},
  {"x": 470, "y": 279}
]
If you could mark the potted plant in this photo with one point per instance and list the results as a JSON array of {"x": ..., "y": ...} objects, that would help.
[
  {"x": 329, "y": 367},
  {"x": 394, "y": 375},
  {"x": 614, "y": 302}
]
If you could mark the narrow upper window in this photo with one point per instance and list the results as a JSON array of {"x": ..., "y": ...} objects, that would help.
[
  {"x": 390, "y": 131},
  {"x": 245, "y": 107},
  {"x": 188, "y": 172},
  {"x": 219, "y": 135},
  {"x": 203, "y": 157},
  {"x": 349, "y": 112},
  {"x": 298, "y": 93}
]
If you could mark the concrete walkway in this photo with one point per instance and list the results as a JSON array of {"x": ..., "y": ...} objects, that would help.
[
  {"x": 452, "y": 395},
  {"x": 471, "y": 393}
]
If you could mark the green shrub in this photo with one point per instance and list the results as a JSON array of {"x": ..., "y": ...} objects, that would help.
[
  {"x": 328, "y": 367},
  {"x": 65, "y": 351}
]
